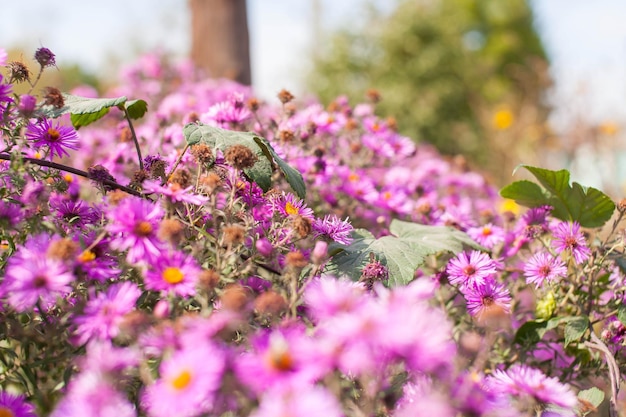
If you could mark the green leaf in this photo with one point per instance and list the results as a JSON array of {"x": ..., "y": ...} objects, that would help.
[
  {"x": 575, "y": 329},
  {"x": 402, "y": 254},
  {"x": 136, "y": 109},
  {"x": 84, "y": 110},
  {"x": 586, "y": 205},
  {"x": 593, "y": 396},
  {"x": 261, "y": 171},
  {"x": 531, "y": 332}
]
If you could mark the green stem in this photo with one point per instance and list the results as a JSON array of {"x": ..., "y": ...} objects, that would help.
[{"x": 132, "y": 132}]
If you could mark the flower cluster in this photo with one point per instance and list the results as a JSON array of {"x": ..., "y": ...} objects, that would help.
[{"x": 178, "y": 283}]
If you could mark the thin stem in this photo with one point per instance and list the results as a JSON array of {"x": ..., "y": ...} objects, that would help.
[
  {"x": 33, "y": 84},
  {"x": 132, "y": 132},
  {"x": 614, "y": 373},
  {"x": 75, "y": 171},
  {"x": 180, "y": 158}
]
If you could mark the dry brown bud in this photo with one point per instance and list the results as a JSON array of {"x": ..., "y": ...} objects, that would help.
[
  {"x": 240, "y": 157},
  {"x": 285, "y": 96}
]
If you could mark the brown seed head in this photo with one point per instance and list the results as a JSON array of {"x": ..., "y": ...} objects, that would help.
[
  {"x": 296, "y": 259},
  {"x": 126, "y": 135},
  {"x": 18, "y": 72},
  {"x": 233, "y": 234},
  {"x": 302, "y": 226},
  {"x": 62, "y": 249},
  {"x": 285, "y": 96},
  {"x": 209, "y": 279},
  {"x": 181, "y": 177},
  {"x": 202, "y": 153},
  {"x": 240, "y": 157},
  {"x": 286, "y": 136},
  {"x": 171, "y": 230},
  {"x": 53, "y": 97},
  {"x": 115, "y": 196},
  {"x": 373, "y": 95},
  {"x": 270, "y": 303},
  {"x": 235, "y": 297},
  {"x": 253, "y": 104}
]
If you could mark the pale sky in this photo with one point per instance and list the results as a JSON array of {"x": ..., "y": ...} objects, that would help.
[{"x": 586, "y": 40}]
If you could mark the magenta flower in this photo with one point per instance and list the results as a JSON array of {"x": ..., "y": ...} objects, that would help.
[
  {"x": 488, "y": 298},
  {"x": 188, "y": 383},
  {"x": 54, "y": 136},
  {"x": 298, "y": 401},
  {"x": 104, "y": 314},
  {"x": 335, "y": 228},
  {"x": 568, "y": 237},
  {"x": 544, "y": 267},
  {"x": 31, "y": 279},
  {"x": 13, "y": 405},
  {"x": 465, "y": 270},
  {"x": 521, "y": 380},
  {"x": 133, "y": 225},
  {"x": 173, "y": 272},
  {"x": 488, "y": 235},
  {"x": 175, "y": 193},
  {"x": 290, "y": 205},
  {"x": 327, "y": 297}
]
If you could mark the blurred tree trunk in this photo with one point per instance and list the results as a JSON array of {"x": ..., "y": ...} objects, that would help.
[{"x": 219, "y": 39}]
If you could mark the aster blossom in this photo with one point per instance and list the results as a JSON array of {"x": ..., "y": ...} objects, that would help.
[
  {"x": 54, "y": 136},
  {"x": 290, "y": 205},
  {"x": 13, "y": 405},
  {"x": 544, "y": 267},
  {"x": 175, "y": 192},
  {"x": 473, "y": 268},
  {"x": 173, "y": 272},
  {"x": 567, "y": 237},
  {"x": 488, "y": 298},
  {"x": 335, "y": 228},
  {"x": 522, "y": 380},
  {"x": 133, "y": 224}
]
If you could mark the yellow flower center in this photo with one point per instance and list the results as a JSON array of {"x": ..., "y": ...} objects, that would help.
[
  {"x": 510, "y": 206},
  {"x": 143, "y": 229},
  {"x": 53, "y": 134},
  {"x": 86, "y": 256},
  {"x": 291, "y": 209},
  {"x": 173, "y": 275},
  {"x": 182, "y": 380},
  {"x": 502, "y": 119},
  {"x": 6, "y": 412},
  {"x": 37, "y": 155},
  {"x": 387, "y": 195},
  {"x": 68, "y": 178},
  {"x": 353, "y": 177},
  {"x": 487, "y": 231}
]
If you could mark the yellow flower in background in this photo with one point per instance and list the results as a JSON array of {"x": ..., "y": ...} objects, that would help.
[
  {"x": 608, "y": 128},
  {"x": 503, "y": 119},
  {"x": 510, "y": 206}
]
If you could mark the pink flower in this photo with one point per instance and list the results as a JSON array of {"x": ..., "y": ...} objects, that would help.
[
  {"x": 568, "y": 237},
  {"x": 543, "y": 267},
  {"x": 104, "y": 314},
  {"x": 298, "y": 401},
  {"x": 133, "y": 225},
  {"x": 290, "y": 205},
  {"x": 465, "y": 270},
  {"x": 175, "y": 193},
  {"x": 488, "y": 235},
  {"x": 488, "y": 298},
  {"x": 188, "y": 382},
  {"x": 13, "y": 405},
  {"x": 54, "y": 136},
  {"x": 173, "y": 272}
]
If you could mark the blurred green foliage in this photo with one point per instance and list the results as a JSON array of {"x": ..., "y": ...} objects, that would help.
[{"x": 456, "y": 73}]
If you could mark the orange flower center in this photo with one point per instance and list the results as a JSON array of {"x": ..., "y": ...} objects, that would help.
[
  {"x": 86, "y": 256},
  {"x": 143, "y": 229},
  {"x": 6, "y": 412},
  {"x": 182, "y": 380},
  {"x": 53, "y": 134},
  {"x": 173, "y": 275},
  {"x": 291, "y": 209}
]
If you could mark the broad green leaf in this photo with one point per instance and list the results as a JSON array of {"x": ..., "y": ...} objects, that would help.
[
  {"x": 586, "y": 205},
  {"x": 592, "y": 396},
  {"x": 293, "y": 176},
  {"x": 531, "y": 332},
  {"x": 575, "y": 328},
  {"x": 402, "y": 254},
  {"x": 136, "y": 108},
  {"x": 524, "y": 192},
  {"x": 85, "y": 110},
  {"x": 261, "y": 172}
]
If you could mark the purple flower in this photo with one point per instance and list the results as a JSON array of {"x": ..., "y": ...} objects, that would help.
[
  {"x": 103, "y": 315},
  {"x": 188, "y": 383},
  {"x": 173, "y": 272},
  {"x": 12, "y": 405},
  {"x": 290, "y": 205},
  {"x": 56, "y": 137},
  {"x": 543, "y": 267},
  {"x": 568, "y": 237},
  {"x": 465, "y": 270},
  {"x": 133, "y": 225},
  {"x": 487, "y": 299},
  {"x": 175, "y": 193},
  {"x": 298, "y": 401},
  {"x": 30, "y": 279},
  {"x": 521, "y": 380},
  {"x": 488, "y": 235},
  {"x": 335, "y": 228}
]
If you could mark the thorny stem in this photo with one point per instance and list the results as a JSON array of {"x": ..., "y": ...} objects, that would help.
[
  {"x": 614, "y": 373},
  {"x": 75, "y": 171},
  {"x": 134, "y": 135}
]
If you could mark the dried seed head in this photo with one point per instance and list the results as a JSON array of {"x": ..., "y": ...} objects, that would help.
[
  {"x": 115, "y": 196},
  {"x": 233, "y": 234},
  {"x": 270, "y": 303},
  {"x": 240, "y": 157},
  {"x": 18, "y": 72},
  {"x": 302, "y": 226},
  {"x": 253, "y": 104},
  {"x": 62, "y": 249},
  {"x": 182, "y": 177},
  {"x": 373, "y": 95},
  {"x": 202, "y": 153},
  {"x": 285, "y": 96},
  {"x": 235, "y": 297},
  {"x": 126, "y": 135},
  {"x": 209, "y": 279},
  {"x": 286, "y": 135},
  {"x": 171, "y": 230},
  {"x": 296, "y": 259},
  {"x": 53, "y": 97},
  {"x": 211, "y": 182}
]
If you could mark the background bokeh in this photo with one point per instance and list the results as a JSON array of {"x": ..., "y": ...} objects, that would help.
[{"x": 575, "y": 122}]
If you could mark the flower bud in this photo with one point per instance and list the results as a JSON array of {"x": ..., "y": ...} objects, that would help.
[
  {"x": 320, "y": 252},
  {"x": 264, "y": 247},
  {"x": 27, "y": 104}
]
